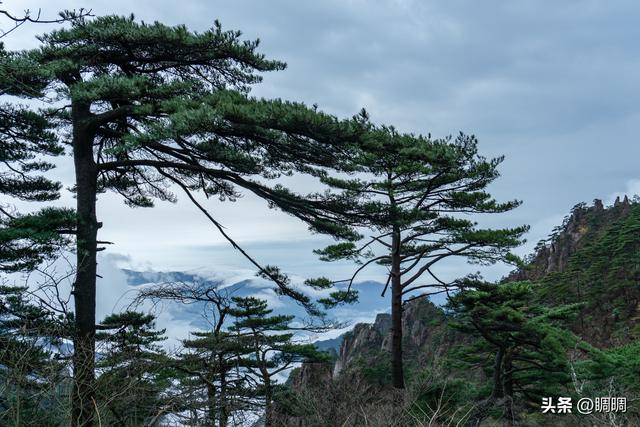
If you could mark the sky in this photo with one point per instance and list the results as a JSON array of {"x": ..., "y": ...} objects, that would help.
[{"x": 553, "y": 86}]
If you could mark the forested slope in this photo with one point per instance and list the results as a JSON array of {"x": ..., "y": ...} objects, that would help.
[{"x": 568, "y": 322}]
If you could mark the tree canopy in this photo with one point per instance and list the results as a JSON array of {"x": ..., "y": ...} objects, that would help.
[
  {"x": 413, "y": 193},
  {"x": 149, "y": 108}
]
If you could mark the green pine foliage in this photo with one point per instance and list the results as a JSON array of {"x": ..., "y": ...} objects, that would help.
[
  {"x": 211, "y": 380},
  {"x": 233, "y": 370},
  {"x": 30, "y": 374},
  {"x": 184, "y": 94},
  {"x": 26, "y": 240},
  {"x": 133, "y": 373},
  {"x": 270, "y": 348},
  {"x": 412, "y": 193},
  {"x": 551, "y": 321},
  {"x": 26, "y": 135},
  {"x": 527, "y": 341},
  {"x": 27, "y": 139},
  {"x": 150, "y": 108}
]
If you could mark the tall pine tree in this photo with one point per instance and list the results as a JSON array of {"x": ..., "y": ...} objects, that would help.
[
  {"x": 134, "y": 375},
  {"x": 414, "y": 193},
  {"x": 28, "y": 332},
  {"x": 151, "y": 106},
  {"x": 270, "y": 348}
]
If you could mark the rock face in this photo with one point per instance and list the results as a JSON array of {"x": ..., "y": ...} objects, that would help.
[
  {"x": 552, "y": 255},
  {"x": 600, "y": 276},
  {"x": 361, "y": 340},
  {"x": 359, "y": 378},
  {"x": 426, "y": 336},
  {"x": 311, "y": 375}
]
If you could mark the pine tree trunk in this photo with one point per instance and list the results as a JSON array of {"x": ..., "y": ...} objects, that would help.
[
  {"x": 508, "y": 387},
  {"x": 498, "y": 390},
  {"x": 508, "y": 374},
  {"x": 268, "y": 408},
  {"x": 396, "y": 312},
  {"x": 224, "y": 411},
  {"x": 84, "y": 292},
  {"x": 211, "y": 398}
]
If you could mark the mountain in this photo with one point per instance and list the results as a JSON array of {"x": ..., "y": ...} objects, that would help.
[
  {"x": 589, "y": 266},
  {"x": 584, "y": 225},
  {"x": 332, "y": 344},
  {"x": 194, "y": 313},
  {"x": 369, "y": 304},
  {"x": 593, "y": 259}
]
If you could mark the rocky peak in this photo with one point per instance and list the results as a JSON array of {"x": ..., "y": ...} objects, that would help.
[
  {"x": 311, "y": 375},
  {"x": 624, "y": 202},
  {"x": 363, "y": 338},
  {"x": 584, "y": 223},
  {"x": 424, "y": 325}
]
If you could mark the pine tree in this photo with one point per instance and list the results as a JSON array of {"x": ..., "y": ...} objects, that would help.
[
  {"x": 528, "y": 343},
  {"x": 152, "y": 106},
  {"x": 28, "y": 332},
  {"x": 412, "y": 194},
  {"x": 133, "y": 369},
  {"x": 271, "y": 348},
  {"x": 211, "y": 369},
  {"x": 25, "y": 138},
  {"x": 211, "y": 388},
  {"x": 29, "y": 373}
]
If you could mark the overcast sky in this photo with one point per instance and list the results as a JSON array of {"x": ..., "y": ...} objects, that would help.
[{"x": 552, "y": 85}]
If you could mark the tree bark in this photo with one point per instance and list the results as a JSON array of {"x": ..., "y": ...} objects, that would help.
[
  {"x": 396, "y": 312},
  {"x": 508, "y": 387},
  {"x": 84, "y": 292},
  {"x": 498, "y": 389},
  {"x": 224, "y": 408},
  {"x": 268, "y": 407},
  {"x": 211, "y": 397},
  {"x": 508, "y": 373}
]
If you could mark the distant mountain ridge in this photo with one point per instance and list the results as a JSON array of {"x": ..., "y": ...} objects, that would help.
[{"x": 369, "y": 303}]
